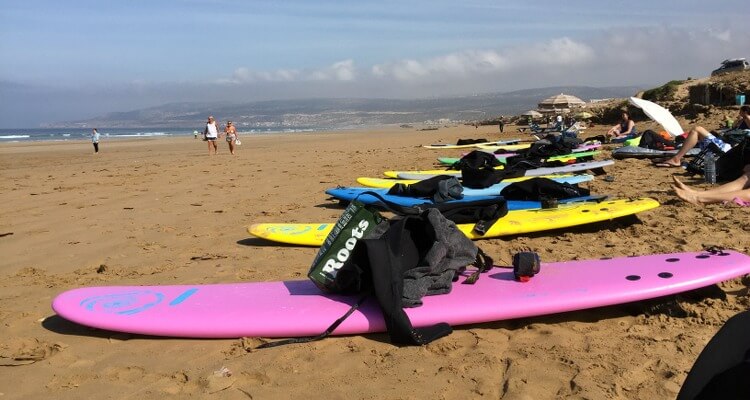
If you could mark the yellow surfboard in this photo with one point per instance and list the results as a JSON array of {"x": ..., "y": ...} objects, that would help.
[
  {"x": 510, "y": 147},
  {"x": 385, "y": 183},
  {"x": 514, "y": 223},
  {"x": 395, "y": 174},
  {"x": 501, "y": 143}
]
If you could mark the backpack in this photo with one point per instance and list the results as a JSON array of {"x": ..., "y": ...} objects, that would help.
[
  {"x": 476, "y": 159},
  {"x": 655, "y": 141},
  {"x": 477, "y": 169},
  {"x": 399, "y": 262}
]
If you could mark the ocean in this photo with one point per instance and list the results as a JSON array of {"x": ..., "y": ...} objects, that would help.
[{"x": 77, "y": 134}]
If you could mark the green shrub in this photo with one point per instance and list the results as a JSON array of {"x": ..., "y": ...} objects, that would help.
[{"x": 663, "y": 92}]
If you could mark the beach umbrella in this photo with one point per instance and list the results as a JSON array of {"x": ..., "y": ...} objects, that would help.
[
  {"x": 560, "y": 102},
  {"x": 584, "y": 115},
  {"x": 532, "y": 114},
  {"x": 660, "y": 115}
]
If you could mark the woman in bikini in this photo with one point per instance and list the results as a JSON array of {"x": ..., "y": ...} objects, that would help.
[
  {"x": 231, "y": 133},
  {"x": 624, "y": 130}
]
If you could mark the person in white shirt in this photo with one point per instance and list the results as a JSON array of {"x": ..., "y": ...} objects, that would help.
[
  {"x": 211, "y": 133},
  {"x": 95, "y": 140}
]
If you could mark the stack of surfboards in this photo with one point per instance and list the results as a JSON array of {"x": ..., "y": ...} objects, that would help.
[
  {"x": 299, "y": 308},
  {"x": 514, "y": 223}
]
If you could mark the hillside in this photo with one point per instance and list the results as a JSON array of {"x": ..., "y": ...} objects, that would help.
[
  {"x": 705, "y": 101},
  {"x": 344, "y": 113}
]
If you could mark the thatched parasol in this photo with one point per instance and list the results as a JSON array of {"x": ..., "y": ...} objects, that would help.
[{"x": 560, "y": 103}]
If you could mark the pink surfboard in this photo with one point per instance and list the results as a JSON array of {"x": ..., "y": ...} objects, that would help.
[{"x": 298, "y": 308}]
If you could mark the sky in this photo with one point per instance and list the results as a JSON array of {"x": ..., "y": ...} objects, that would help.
[{"x": 71, "y": 60}]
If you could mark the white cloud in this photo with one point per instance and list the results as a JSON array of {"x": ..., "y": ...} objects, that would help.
[
  {"x": 245, "y": 75},
  {"x": 724, "y": 36},
  {"x": 558, "y": 52},
  {"x": 338, "y": 71},
  {"x": 612, "y": 57}
]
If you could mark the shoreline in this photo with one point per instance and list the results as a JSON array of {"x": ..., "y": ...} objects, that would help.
[{"x": 83, "y": 137}]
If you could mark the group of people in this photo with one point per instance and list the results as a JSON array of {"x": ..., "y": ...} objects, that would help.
[
  {"x": 737, "y": 190},
  {"x": 211, "y": 135}
]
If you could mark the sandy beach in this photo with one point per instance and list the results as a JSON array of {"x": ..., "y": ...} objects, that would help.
[{"x": 162, "y": 211}]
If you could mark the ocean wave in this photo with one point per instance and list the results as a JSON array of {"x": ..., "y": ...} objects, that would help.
[
  {"x": 14, "y": 136},
  {"x": 138, "y": 134}
]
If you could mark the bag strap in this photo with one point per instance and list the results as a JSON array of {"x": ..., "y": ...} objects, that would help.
[
  {"x": 483, "y": 263},
  {"x": 323, "y": 335}
]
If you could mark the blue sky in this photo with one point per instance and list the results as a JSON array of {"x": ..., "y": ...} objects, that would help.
[{"x": 66, "y": 60}]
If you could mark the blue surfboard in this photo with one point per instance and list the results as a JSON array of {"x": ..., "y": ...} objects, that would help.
[{"x": 351, "y": 193}]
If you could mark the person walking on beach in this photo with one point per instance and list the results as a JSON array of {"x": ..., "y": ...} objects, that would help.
[
  {"x": 95, "y": 140},
  {"x": 231, "y": 133},
  {"x": 211, "y": 133},
  {"x": 501, "y": 124}
]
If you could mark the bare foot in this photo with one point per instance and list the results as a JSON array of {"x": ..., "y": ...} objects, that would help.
[
  {"x": 690, "y": 197},
  {"x": 669, "y": 163},
  {"x": 678, "y": 183}
]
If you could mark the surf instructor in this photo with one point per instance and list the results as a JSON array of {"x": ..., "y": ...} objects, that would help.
[{"x": 211, "y": 133}]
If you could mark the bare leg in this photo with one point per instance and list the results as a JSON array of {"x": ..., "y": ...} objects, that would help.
[
  {"x": 231, "y": 146},
  {"x": 705, "y": 198},
  {"x": 743, "y": 182},
  {"x": 695, "y": 134}
]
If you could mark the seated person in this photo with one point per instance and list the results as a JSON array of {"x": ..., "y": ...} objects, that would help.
[
  {"x": 738, "y": 189},
  {"x": 702, "y": 137},
  {"x": 624, "y": 130},
  {"x": 743, "y": 121}
]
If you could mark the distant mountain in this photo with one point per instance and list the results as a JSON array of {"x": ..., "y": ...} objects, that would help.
[{"x": 343, "y": 113}]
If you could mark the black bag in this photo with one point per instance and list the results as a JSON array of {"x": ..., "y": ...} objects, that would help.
[
  {"x": 476, "y": 159},
  {"x": 414, "y": 255},
  {"x": 353, "y": 225},
  {"x": 478, "y": 169},
  {"x": 462, "y": 142},
  {"x": 652, "y": 140},
  {"x": 399, "y": 262},
  {"x": 537, "y": 189},
  {"x": 729, "y": 165}
]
